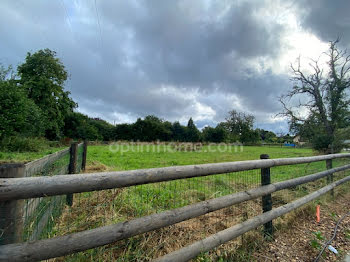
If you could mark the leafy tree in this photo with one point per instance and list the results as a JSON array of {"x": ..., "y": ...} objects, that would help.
[
  {"x": 240, "y": 127},
  {"x": 145, "y": 130},
  {"x": 342, "y": 134},
  {"x": 178, "y": 131},
  {"x": 327, "y": 104},
  {"x": 88, "y": 132},
  {"x": 18, "y": 114},
  {"x": 250, "y": 136},
  {"x": 192, "y": 133},
  {"x": 71, "y": 123},
  {"x": 151, "y": 128},
  {"x": 287, "y": 138},
  {"x": 216, "y": 135},
  {"x": 104, "y": 129},
  {"x": 80, "y": 126},
  {"x": 123, "y": 132},
  {"x": 156, "y": 129},
  {"x": 43, "y": 75},
  {"x": 167, "y": 132},
  {"x": 267, "y": 136}
]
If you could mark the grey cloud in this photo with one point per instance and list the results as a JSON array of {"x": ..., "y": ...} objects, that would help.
[
  {"x": 327, "y": 19},
  {"x": 200, "y": 49},
  {"x": 259, "y": 94},
  {"x": 186, "y": 49}
]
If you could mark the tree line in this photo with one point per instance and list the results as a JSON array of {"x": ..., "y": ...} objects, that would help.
[
  {"x": 238, "y": 127},
  {"x": 35, "y": 104}
]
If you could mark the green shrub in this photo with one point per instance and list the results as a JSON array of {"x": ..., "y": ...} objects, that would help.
[
  {"x": 19, "y": 115},
  {"x": 23, "y": 144}
]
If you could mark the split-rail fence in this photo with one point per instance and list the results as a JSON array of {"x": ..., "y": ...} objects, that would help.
[{"x": 14, "y": 189}]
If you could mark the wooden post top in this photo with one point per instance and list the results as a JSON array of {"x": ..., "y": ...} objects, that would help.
[{"x": 264, "y": 156}]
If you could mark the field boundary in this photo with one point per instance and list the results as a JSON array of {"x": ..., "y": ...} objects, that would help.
[
  {"x": 29, "y": 219},
  {"x": 18, "y": 188},
  {"x": 191, "y": 251},
  {"x": 22, "y": 188}
]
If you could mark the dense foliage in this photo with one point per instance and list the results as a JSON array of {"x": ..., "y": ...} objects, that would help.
[
  {"x": 18, "y": 113},
  {"x": 42, "y": 76},
  {"x": 152, "y": 128}
]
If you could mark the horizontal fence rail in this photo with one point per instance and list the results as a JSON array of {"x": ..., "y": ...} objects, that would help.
[
  {"x": 31, "y": 187},
  {"x": 63, "y": 245}
]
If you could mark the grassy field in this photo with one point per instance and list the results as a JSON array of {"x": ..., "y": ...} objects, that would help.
[
  {"x": 136, "y": 157},
  {"x": 93, "y": 209},
  {"x": 8, "y": 157},
  {"x": 147, "y": 199},
  {"x": 111, "y": 206}
]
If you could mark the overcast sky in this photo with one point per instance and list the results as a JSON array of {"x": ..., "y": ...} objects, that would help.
[{"x": 175, "y": 59}]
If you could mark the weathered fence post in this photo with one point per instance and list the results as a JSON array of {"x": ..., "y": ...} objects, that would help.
[
  {"x": 329, "y": 165},
  {"x": 72, "y": 168},
  {"x": 267, "y": 199},
  {"x": 83, "y": 163},
  {"x": 11, "y": 211}
]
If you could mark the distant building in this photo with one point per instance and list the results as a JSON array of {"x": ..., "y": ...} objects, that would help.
[
  {"x": 346, "y": 145},
  {"x": 297, "y": 140}
]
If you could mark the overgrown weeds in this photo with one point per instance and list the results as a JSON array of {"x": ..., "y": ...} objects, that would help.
[{"x": 23, "y": 144}]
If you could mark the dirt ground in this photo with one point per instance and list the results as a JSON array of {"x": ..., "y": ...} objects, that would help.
[{"x": 304, "y": 237}]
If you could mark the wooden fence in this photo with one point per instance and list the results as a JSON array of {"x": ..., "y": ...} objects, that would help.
[
  {"x": 16, "y": 189},
  {"x": 28, "y": 219}
]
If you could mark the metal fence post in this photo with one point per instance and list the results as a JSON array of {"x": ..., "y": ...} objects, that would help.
[
  {"x": 72, "y": 168},
  {"x": 83, "y": 163},
  {"x": 267, "y": 199},
  {"x": 11, "y": 211},
  {"x": 329, "y": 165}
]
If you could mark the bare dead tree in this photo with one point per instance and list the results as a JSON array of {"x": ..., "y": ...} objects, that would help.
[{"x": 323, "y": 95}]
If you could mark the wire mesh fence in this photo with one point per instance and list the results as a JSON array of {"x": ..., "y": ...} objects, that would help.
[
  {"x": 289, "y": 172},
  {"x": 36, "y": 217},
  {"x": 106, "y": 207},
  {"x": 50, "y": 216},
  {"x": 40, "y": 213}
]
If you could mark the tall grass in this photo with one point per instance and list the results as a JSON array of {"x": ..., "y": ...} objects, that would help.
[{"x": 24, "y": 149}]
